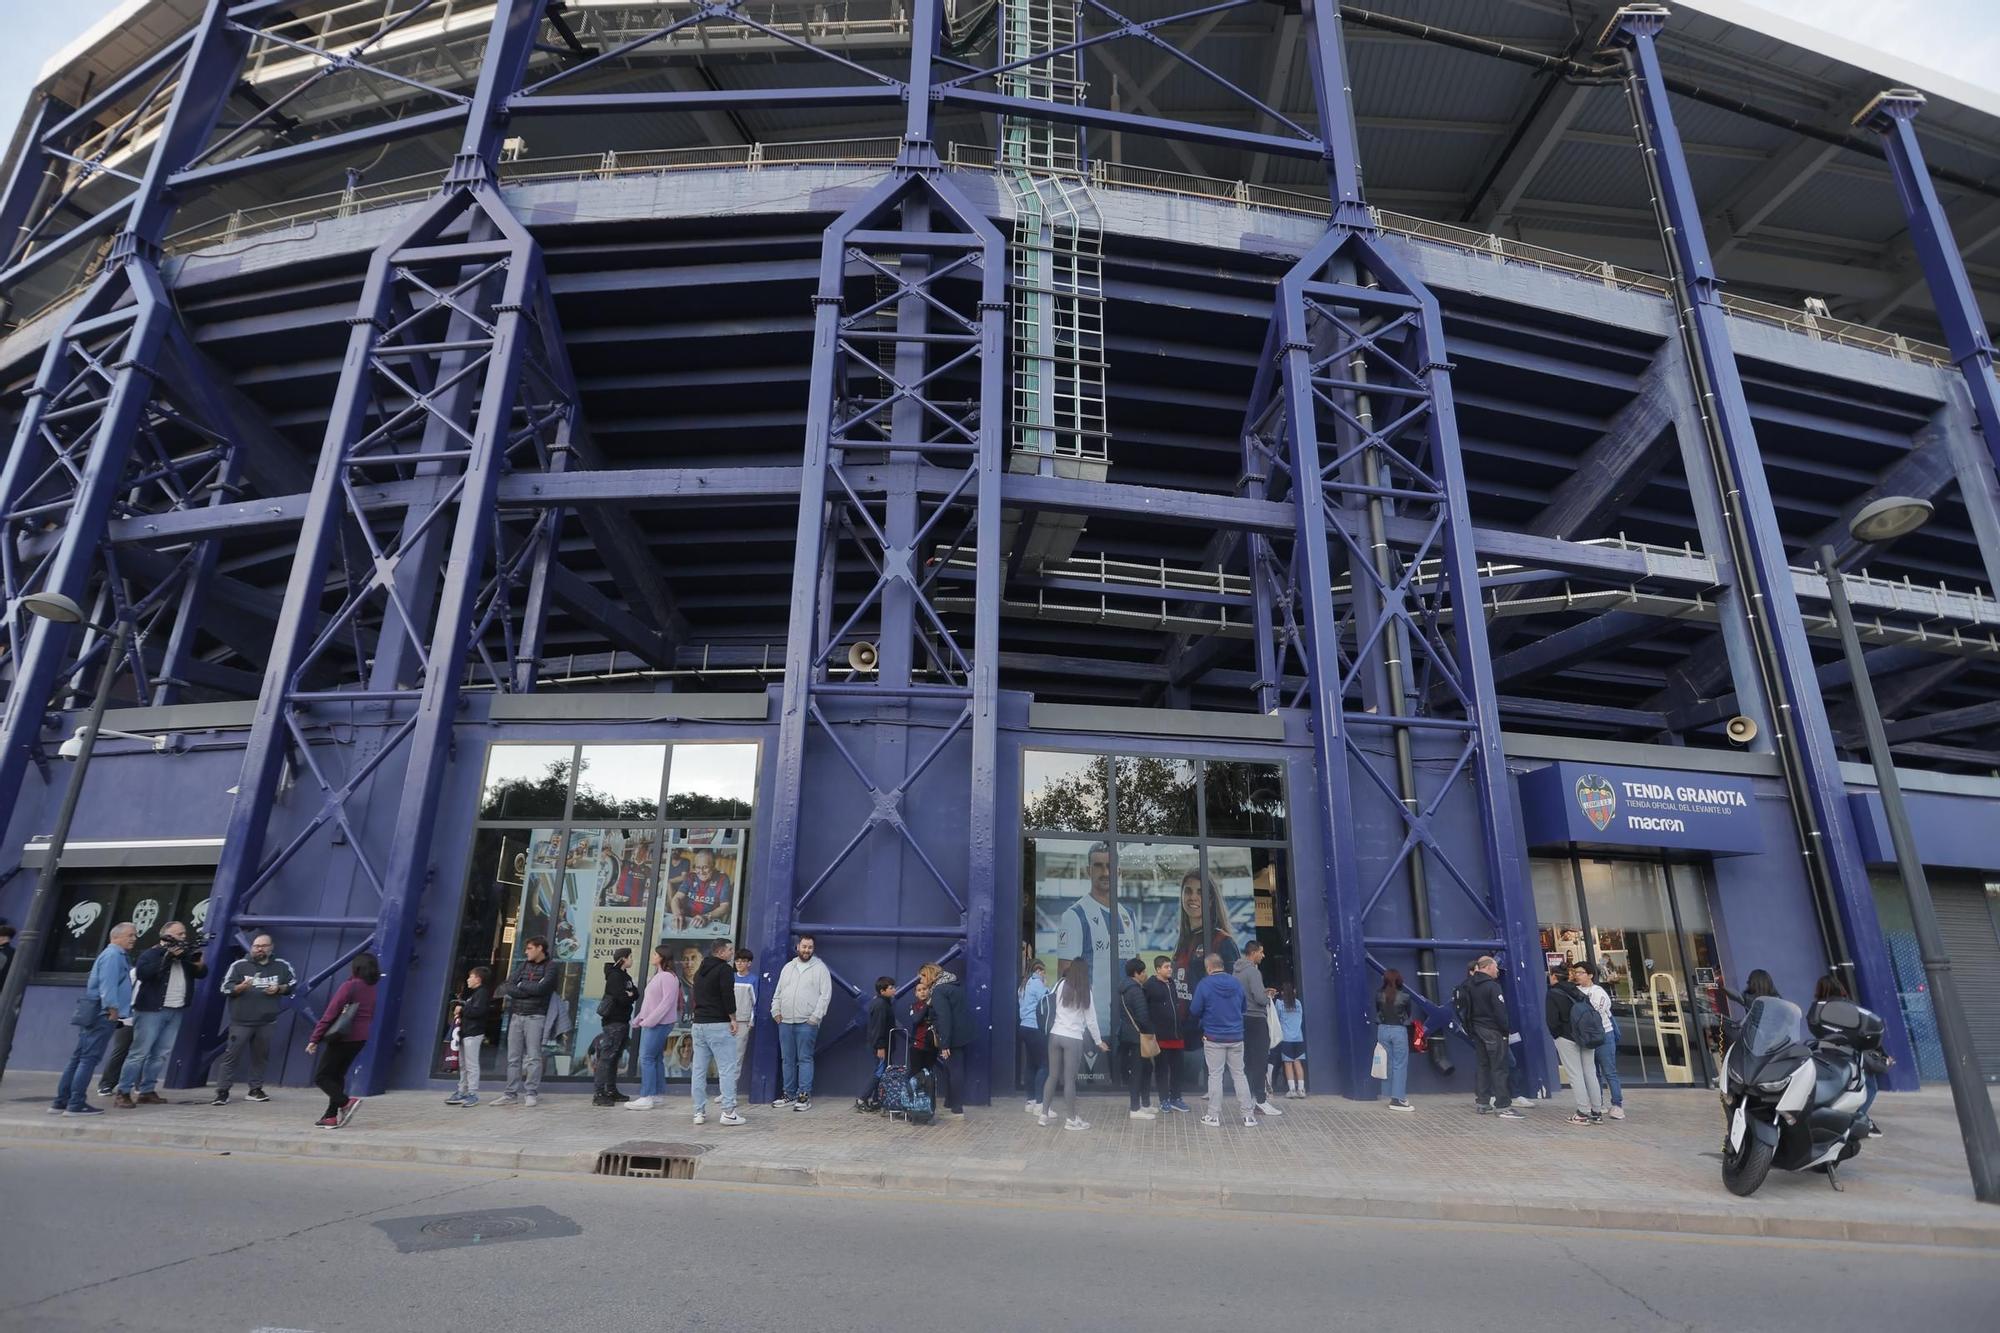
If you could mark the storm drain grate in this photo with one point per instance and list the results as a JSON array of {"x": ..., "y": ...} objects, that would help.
[{"x": 645, "y": 1160}]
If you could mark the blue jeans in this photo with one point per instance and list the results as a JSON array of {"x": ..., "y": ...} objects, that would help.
[
  {"x": 71, "y": 1093},
  {"x": 653, "y": 1060},
  {"x": 795, "y": 1052},
  {"x": 1868, "y": 1081},
  {"x": 153, "y": 1034},
  {"x": 1607, "y": 1068},
  {"x": 1395, "y": 1039},
  {"x": 713, "y": 1041}
]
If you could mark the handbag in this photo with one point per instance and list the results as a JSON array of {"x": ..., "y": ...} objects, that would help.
[
  {"x": 1149, "y": 1045},
  {"x": 339, "y": 1026},
  {"x": 88, "y": 1010},
  {"x": 1420, "y": 1038},
  {"x": 1380, "y": 1067}
]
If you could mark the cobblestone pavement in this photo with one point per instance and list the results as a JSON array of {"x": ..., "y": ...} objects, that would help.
[{"x": 1658, "y": 1169}]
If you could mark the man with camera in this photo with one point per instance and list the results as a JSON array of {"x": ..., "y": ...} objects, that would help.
[
  {"x": 256, "y": 987},
  {"x": 166, "y": 974}
]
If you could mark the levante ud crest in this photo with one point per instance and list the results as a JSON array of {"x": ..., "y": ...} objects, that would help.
[{"x": 1596, "y": 798}]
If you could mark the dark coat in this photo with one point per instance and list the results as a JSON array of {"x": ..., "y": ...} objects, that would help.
[
  {"x": 621, "y": 993},
  {"x": 881, "y": 1022},
  {"x": 1557, "y": 1005},
  {"x": 153, "y": 969},
  {"x": 475, "y": 1013},
  {"x": 1160, "y": 1012},
  {"x": 953, "y": 1017},
  {"x": 714, "y": 991},
  {"x": 1134, "y": 1013},
  {"x": 528, "y": 990},
  {"x": 1489, "y": 1003}
]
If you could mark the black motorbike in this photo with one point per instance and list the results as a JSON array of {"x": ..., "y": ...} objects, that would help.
[{"x": 1793, "y": 1104}]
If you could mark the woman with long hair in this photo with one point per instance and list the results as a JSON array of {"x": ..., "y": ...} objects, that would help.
[
  {"x": 343, "y": 1029},
  {"x": 658, "y": 1012},
  {"x": 1075, "y": 1014},
  {"x": 1204, "y": 930},
  {"x": 1392, "y": 1033},
  {"x": 1292, "y": 1050},
  {"x": 1030, "y": 1000}
]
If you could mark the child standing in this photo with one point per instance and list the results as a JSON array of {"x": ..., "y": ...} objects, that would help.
[
  {"x": 472, "y": 1012},
  {"x": 1292, "y": 1027},
  {"x": 881, "y": 1022}
]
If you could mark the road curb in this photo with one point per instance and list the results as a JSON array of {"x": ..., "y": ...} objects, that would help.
[{"x": 985, "y": 1183}]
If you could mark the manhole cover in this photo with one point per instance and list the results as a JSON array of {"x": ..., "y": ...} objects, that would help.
[{"x": 490, "y": 1226}]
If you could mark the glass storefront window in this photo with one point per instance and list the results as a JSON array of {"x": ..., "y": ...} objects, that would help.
[
  {"x": 1157, "y": 796},
  {"x": 619, "y": 782},
  {"x": 87, "y": 909},
  {"x": 1065, "y": 793},
  {"x": 1187, "y": 858},
  {"x": 527, "y": 782},
  {"x": 1243, "y": 800},
  {"x": 622, "y": 870},
  {"x": 712, "y": 782}
]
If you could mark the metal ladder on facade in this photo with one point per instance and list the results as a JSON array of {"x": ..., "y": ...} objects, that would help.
[{"x": 1057, "y": 420}]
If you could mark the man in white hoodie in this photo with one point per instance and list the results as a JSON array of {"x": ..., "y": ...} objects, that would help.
[{"x": 804, "y": 990}]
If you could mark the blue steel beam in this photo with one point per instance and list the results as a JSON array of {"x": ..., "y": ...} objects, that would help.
[
  {"x": 1351, "y": 424},
  {"x": 881, "y": 388},
  {"x": 1893, "y": 116},
  {"x": 453, "y": 375},
  {"x": 1801, "y": 733},
  {"x": 102, "y": 432}
]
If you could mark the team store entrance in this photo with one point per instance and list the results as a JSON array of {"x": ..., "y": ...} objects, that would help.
[{"x": 1645, "y": 925}]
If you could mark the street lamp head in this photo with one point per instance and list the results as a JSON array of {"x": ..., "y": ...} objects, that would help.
[
  {"x": 52, "y": 606},
  {"x": 1890, "y": 517}
]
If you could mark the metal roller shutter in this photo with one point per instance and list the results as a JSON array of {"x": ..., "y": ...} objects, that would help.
[{"x": 1973, "y": 944}]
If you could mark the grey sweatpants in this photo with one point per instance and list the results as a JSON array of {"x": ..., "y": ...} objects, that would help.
[
  {"x": 1581, "y": 1066},
  {"x": 1227, "y": 1055},
  {"x": 524, "y": 1052},
  {"x": 1065, "y": 1063}
]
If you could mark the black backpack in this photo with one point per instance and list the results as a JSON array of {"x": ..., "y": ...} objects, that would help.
[
  {"x": 1586, "y": 1028},
  {"x": 1461, "y": 1004}
]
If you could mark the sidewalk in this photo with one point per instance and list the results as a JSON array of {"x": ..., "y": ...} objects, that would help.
[{"x": 1658, "y": 1170}]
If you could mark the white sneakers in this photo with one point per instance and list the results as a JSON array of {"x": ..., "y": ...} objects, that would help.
[
  {"x": 1268, "y": 1109},
  {"x": 1042, "y": 1118},
  {"x": 1035, "y": 1108},
  {"x": 1074, "y": 1123},
  {"x": 1616, "y": 1113},
  {"x": 1211, "y": 1121},
  {"x": 731, "y": 1118},
  {"x": 1144, "y": 1113},
  {"x": 640, "y": 1104},
  {"x": 1249, "y": 1122},
  {"x": 701, "y": 1117}
]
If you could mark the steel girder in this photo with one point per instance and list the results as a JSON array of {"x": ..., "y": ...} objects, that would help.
[
  {"x": 1802, "y": 734},
  {"x": 455, "y": 375},
  {"x": 1893, "y": 116},
  {"x": 908, "y": 375},
  {"x": 1371, "y": 600},
  {"x": 123, "y": 421}
]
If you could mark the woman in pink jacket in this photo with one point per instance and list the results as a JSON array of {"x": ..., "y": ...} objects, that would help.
[
  {"x": 658, "y": 1012},
  {"x": 343, "y": 1044}
]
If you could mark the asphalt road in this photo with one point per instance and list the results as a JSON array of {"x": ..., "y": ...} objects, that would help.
[{"x": 162, "y": 1240}]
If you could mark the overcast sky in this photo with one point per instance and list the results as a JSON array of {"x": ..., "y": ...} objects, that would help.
[{"x": 1960, "y": 37}]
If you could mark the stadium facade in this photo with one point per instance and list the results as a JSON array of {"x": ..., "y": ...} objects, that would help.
[{"x": 980, "y": 482}]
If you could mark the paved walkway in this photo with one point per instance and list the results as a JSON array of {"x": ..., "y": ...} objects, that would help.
[{"x": 1657, "y": 1170}]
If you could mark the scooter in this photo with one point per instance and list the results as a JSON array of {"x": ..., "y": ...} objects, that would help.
[{"x": 1792, "y": 1104}]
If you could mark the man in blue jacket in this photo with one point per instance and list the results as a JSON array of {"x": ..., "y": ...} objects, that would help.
[
  {"x": 106, "y": 999},
  {"x": 1218, "y": 1004}
]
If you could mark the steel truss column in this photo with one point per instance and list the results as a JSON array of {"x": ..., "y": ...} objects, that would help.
[
  {"x": 454, "y": 375},
  {"x": 903, "y": 460},
  {"x": 1352, "y": 422},
  {"x": 1893, "y": 115},
  {"x": 1802, "y": 736},
  {"x": 121, "y": 422}
]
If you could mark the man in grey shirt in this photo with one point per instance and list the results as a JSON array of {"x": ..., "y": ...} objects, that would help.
[
  {"x": 256, "y": 987},
  {"x": 1249, "y": 974}
]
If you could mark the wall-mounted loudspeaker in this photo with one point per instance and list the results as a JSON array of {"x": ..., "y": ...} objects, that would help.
[
  {"x": 862, "y": 656},
  {"x": 1741, "y": 730}
]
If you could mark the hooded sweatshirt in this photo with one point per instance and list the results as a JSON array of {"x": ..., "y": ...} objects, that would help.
[
  {"x": 714, "y": 991},
  {"x": 257, "y": 1007},
  {"x": 1557, "y": 1005},
  {"x": 805, "y": 988},
  {"x": 1218, "y": 1006}
]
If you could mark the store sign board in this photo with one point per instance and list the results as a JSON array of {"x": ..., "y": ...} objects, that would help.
[{"x": 1614, "y": 805}]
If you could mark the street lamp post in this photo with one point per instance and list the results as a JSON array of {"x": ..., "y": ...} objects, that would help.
[
  {"x": 42, "y": 908},
  {"x": 1885, "y": 520}
]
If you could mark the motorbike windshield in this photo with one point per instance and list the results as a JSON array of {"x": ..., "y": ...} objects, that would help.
[{"x": 1771, "y": 1025}]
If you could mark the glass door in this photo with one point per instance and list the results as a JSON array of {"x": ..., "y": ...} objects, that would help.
[{"x": 1642, "y": 963}]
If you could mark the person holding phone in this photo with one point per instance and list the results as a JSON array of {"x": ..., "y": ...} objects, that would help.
[{"x": 256, "y": 985}]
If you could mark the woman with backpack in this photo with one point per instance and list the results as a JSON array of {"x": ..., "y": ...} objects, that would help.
[
  {"x": 1032, "y": 1005},
  {"x": 1578, "y": 1031}
]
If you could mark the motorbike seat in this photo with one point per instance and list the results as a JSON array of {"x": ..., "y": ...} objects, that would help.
[{"x": 1833, "y": 1074}]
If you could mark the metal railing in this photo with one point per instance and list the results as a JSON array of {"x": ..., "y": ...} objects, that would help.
[{"x": 268, "y": 219}]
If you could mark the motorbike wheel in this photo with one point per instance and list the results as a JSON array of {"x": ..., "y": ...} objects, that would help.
[{"x": 1744, "y": 1172}]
